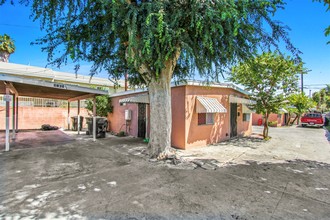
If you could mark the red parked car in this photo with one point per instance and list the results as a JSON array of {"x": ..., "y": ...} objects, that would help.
[{"x": 312, "y": 119}]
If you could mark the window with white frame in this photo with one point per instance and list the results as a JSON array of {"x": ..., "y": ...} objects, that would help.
[
  {"x": 246, "y": 116},
  {"x": 206, "y": 118}
]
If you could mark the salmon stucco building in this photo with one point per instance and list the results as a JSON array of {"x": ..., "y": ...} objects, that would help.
[{"x": 201, "y": 114}]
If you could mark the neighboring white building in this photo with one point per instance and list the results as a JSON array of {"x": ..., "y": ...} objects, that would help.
[{"x": 48, "y": 74}]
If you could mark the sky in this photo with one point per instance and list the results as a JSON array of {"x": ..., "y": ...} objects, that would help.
[{"x": 307, "y": 20}]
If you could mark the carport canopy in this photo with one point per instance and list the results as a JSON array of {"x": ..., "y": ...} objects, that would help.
[
  {"x": 44, "y": 89},
  {"x": 21, "y": 86}
]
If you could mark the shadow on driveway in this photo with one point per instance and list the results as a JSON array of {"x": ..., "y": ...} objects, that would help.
[
  {"x": 36, "y": 138},
  {"x": 113, "y": 179}
]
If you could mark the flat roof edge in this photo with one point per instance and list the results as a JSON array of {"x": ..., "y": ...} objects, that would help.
[
  {"x": 129, "y": 92},
  {"x": 188, "y": 83},
  {"x": 55, "y": 85},
  {"x": 47, "y": 73}
]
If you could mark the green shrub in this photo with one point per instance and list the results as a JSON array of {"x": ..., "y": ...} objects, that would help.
[
  {"x": 268, "y": 138},
  {"x": 272, "y": 123},
  {"x": 121, "y": 134},
  {"x": 103, "y": 105},
  {"x": 328, "y": 127}
]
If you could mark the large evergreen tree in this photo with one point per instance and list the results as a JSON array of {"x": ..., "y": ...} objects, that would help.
[{"x": 156, "y": 40}]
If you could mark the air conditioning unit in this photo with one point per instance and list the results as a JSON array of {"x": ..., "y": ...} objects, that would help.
[{"x": 128, "y": 114}]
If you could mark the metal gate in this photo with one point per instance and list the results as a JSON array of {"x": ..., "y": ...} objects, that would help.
[
  {"x": 233, "y": 119},
  {"x": 142, "y": 120}
]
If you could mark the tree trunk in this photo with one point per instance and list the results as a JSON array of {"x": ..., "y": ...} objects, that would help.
[
  {"x": 4, "y": 56},
  {"x": 161, "y": 110},
  {"x": 265, "y": 132},
  {"x": 295, "y": 119},
  {"x": 160, "y": 116},
  {"x": 288, "y": 119}
]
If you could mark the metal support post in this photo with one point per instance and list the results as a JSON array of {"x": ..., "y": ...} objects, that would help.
[
  {"x": 13, "y": 118},
  {"x": 7, "y": 119},
  {"x": 78, "y": 119},
  {"x": 68, "y": 120},
  {"x": 146, "y": 121},
  {"x": 16, "y": 120},
  {"x": 94, "y": 118}
]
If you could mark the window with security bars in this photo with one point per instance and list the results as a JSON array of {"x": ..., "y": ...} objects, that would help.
[
  {"x": 44, "y": 102},
  {"x": 206, "y": 118},
  {"x": 246, "y": 116}
]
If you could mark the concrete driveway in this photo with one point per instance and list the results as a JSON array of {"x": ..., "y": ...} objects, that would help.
[
  {"x": 113, "y": 179},
  {"x": 287, "y": 143}
]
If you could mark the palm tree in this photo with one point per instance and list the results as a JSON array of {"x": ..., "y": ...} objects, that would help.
[
  {"x": 327, "y": 89},
  {"x": 7, "y": 47}
]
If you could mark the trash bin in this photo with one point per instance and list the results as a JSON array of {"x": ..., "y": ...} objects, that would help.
[
  {"x": 101, "y": 126},
  {"x": 74, "y": 123}
]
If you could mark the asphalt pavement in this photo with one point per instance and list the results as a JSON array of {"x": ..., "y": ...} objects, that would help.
[{"x": 112, "y": 178}]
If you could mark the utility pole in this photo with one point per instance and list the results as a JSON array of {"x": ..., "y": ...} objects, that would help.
[{"x": 302, "y": 82}]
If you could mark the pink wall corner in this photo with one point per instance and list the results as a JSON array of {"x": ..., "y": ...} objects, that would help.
[
  {"x": 272, "y": 117},
  {"x": 201, "y": 135},
  {"x": 178, "y": 97},
  {"x": 255, "y": 118},
  {"x": 117, "y": 117},
  {"x": 244, "y": 128},
  {"x": 282, "y": 120},
  {"x": 277, "y": 117}
]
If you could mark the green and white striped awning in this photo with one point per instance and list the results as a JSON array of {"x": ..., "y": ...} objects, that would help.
[
  {"x": 235, "y": 99},
  {"x": 247, "y": 109},
  {"x": 209, "y": 105},
  {"x": 283, "y": 110},
  {"x": 144, "y": 98}
]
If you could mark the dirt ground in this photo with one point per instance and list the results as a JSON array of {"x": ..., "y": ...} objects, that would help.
[{"x": 285, "y": 178}]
